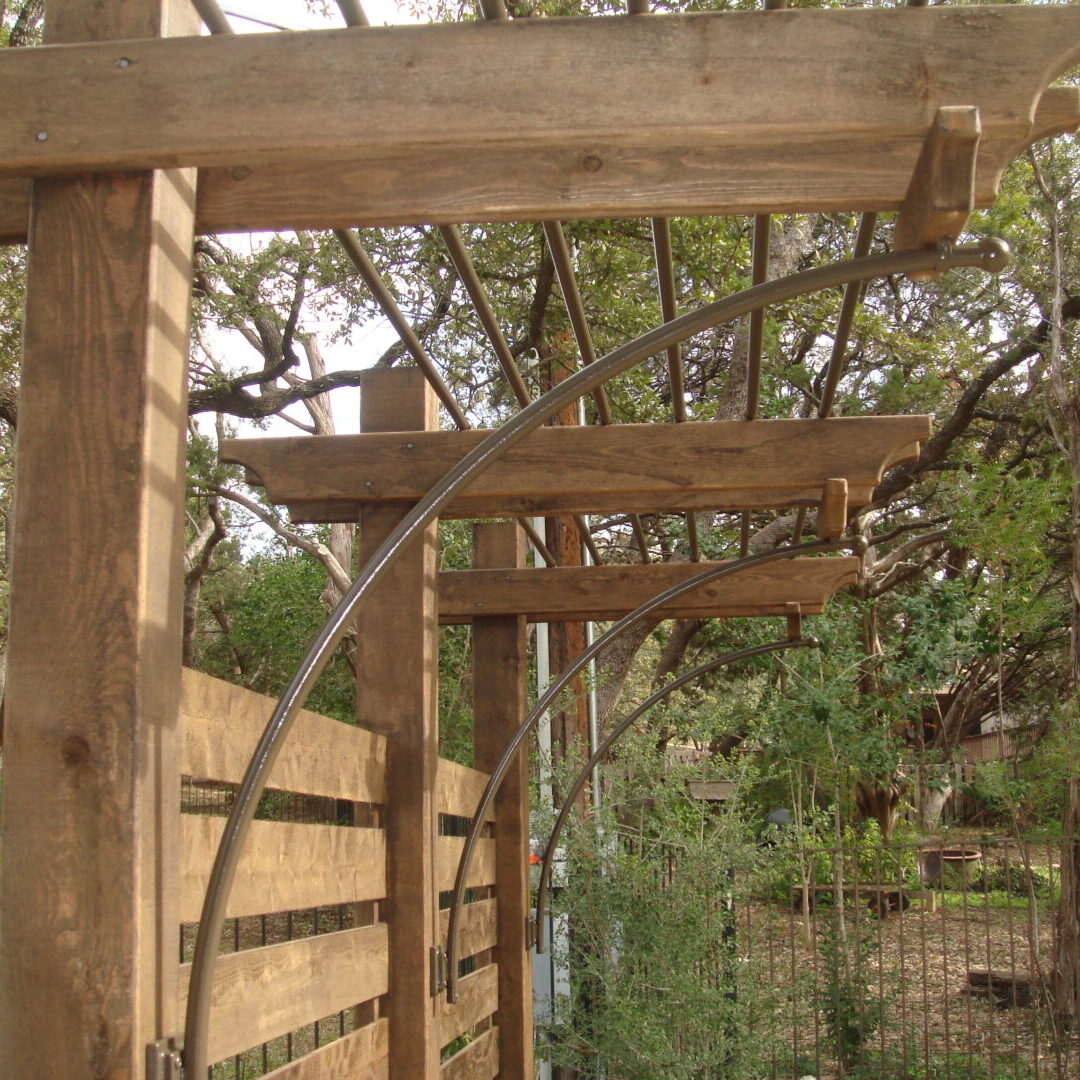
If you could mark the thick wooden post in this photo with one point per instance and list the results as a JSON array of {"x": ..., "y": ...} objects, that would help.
[
  {"x": 89, "y": 954},
  {"x": 397, "y": 695},
  {"x": 500, "y": 666}
]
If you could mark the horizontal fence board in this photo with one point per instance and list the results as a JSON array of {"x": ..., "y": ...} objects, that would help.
[
  {"x": 478, "y": 997},
  {"x": 477, "y": 1061},
  {"x": 360, "y": 1055},
  {"x": 458, "y": 789},
  {"x": 262, "y": 993},
  {"x": 477, "y": 929},
  {"x": 221, "y": 726},
  {"x": 448, "y": 854},
  {"x": 283, "y": 866}
]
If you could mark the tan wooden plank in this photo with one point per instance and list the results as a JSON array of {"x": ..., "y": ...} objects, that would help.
[
  {"x": 284, "y": 866},
  {"x": 397, "y": 695},
  {"x": 613, "y": 469},
  {"x": 222, "y": 724},
  {"x": 477, "y": 1061},
  {"x": 360, "y": 1055},
  {"x": 458, "y": 789},
  {"x": 477, "y": 928},
  {"x": 89, "y": 946},
  {"x": 600, "y": 593},
  {"x": 941, "y": 195},
  {"x": 568, "y": 84},
  {"x": 262, "y": 993},
  {"x": 832, "y": 514},
  {"x": 478, "y": 997},
  {"x": 499, "y": 185},
  {"x": 500, "y": 702},
  {"x": 447, "y": 855}
]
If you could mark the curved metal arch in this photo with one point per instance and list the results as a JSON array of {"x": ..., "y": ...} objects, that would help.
[
  {"x": 988, "y": 255},
  {"x": 502, "y": 767},
  {"x": 616, "y": 733}
]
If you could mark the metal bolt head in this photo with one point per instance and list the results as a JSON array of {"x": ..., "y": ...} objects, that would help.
[
  {"x": 123, "y": 62},
  {"x": 41, "y": 136}
]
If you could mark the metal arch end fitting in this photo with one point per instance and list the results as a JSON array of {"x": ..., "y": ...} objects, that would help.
[
  {"x": 859, "y": 545},
  {"x": 813, "y": 641},
  {"x": 995, "y": 253}
]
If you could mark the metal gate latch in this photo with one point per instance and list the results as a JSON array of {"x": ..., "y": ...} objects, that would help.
[
  {"x": 163, "y": 1061},
  {"x": 438, "y": 970}
]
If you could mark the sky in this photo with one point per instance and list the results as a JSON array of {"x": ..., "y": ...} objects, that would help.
[{"x": 367, "y": 342}]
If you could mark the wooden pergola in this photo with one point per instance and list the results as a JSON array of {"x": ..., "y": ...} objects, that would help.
[{"x": 126, "y": 135}]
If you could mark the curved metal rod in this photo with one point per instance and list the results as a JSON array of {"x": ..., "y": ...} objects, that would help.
[
  {"x": 616, "y": 733},
  {"x": 989, "y": 255},
  {"x": 502, "y": 767}
]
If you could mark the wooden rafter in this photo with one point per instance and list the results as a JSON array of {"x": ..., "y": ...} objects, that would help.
[
  {"x": 617, "y": 469},
  {"x": 580, "y": 593},
  {"x": 544, "y": 117}
]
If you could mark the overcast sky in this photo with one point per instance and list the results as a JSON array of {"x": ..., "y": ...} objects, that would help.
[{"x": 369, "y": 341}]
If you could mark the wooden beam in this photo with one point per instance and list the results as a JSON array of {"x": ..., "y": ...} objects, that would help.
[
  {"x": 89, "y": 953},
  {"x": 342, "y": 193},
  {"x": 360, "y": 1055},
  {"x": 676, "y": 114},
  {"x": 601, "y": 593},
  {"x": 397, "y": 696},
  {"x": 500, "y": 701},
  {"x": 614, "y": 469},
  {"x": 222, "y": 724},
  {"x": 284, "y": 866},
  {"x": 478, "y": 997},
  {"x": 259, "y": 994},
  {"x": 941, "y": 195},
  {"x": 479, "y": 1060}
]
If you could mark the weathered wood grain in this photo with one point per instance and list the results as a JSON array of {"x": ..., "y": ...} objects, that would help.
[
  {"x": 262, "y": 993},
  {"x": 477, "y": 1061},
  {"x": 675, "y": 93},
  {"x": 284, "y": 866},
  {"x": 447, "y": 854},
  {"x": 500, "y": 702},
  {"x": 222, "y": 724},
  {"x": 613, "y": 469},
  {"x": 600, "y": 593},
  {"x": 458, "y": 789},
  {"x": 477, "y": 928},
  {"x": 89, "y": 946},
  {"x": 397, "y": 696},
  {"x": 478, "y": 997},
  {"x": 941, "y": 195},
  {"x": 360, "y": 1055}
]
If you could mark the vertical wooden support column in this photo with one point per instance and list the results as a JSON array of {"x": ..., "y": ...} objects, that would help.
[
  {"x": 500, "y": 666},
  {"x": 89, "y": 954},
  {"x": 397, "y": 695}
]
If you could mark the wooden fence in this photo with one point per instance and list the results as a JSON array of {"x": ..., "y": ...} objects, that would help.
[{"x": 267, "y": 992}]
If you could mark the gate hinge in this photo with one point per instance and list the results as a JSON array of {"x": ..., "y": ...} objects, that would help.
[
  {"x": 163, "y": 1061},
  {"x": 530, "y": 932},
  {"x": 438, "y": 970}
]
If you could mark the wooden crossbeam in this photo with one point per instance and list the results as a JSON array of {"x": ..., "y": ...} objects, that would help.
[
  {"x": 620, "y": 468},
  {"x": 580, "y": 593},
  {"x": 702, "y": 113}
]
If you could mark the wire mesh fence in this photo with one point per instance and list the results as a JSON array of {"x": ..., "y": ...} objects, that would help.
[{"x": 870, "y": 963}]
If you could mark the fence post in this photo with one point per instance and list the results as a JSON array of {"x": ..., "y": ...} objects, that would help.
[
  {"x": 500, "y": 667},
  {"x": 88, "y": 974},
  {"x": 397, "y": 696}
]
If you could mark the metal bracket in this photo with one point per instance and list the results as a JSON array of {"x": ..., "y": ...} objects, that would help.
[
  {"x": 438, "y": 967},
  {"x": 163, "y": 1060},
  {"x": 530, "y": 932}
]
